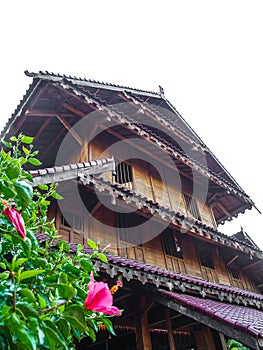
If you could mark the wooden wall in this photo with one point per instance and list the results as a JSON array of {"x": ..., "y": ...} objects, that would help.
[{"x": 163, "y": 186}]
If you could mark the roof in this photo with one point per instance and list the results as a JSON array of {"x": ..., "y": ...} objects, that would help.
[
  {"x": 244, "y": 321},
  {"x": 244, "y": 237},
  {"x": 54, "y": 103}
]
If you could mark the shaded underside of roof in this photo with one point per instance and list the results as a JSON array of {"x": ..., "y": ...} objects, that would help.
[{"x": 54, "y": 104}]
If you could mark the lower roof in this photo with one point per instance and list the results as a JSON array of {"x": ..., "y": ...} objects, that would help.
[{"x": 240, "y": 322}]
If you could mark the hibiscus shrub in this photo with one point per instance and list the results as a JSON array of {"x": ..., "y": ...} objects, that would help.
[{"x": 48, "y": 297}]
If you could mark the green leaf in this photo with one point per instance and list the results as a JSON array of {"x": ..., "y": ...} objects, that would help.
[
  {"x": 4, "y": 275},
  {"x": 73, "y": 270},
  {"x": 43, "y": 300},
  {"x": 27, "y": 139},
  {"x": 27, "y": 293},
  {"x": 64, "y": 327},
  {"x": 34, "y": 161},
  {"x": 27, "y": 175},
  {"x": 7, "y": 191},
  {"x": 13, "y": 171},
  {"x": 27, "y": 310},
  {"x": 43, "y": 187},
  {"x": 21, "y": 332},
  {"x": 31, "y": 236},
  {"x": 108, "y": 326},
  {"x": 26, "y": 244},
  {"x": 53, "y": 338},
  {"x": 103, "y": 258},
  {"x": 3, "y": 342},
  {"x": 29, "y": 274},
  {"x": 74, "y": 314},
  {"x": 65, "y": 291},
  {"x": 91, "y": 244},
  {"x": 26, "y": 151},
  {"x": 24, "y": 192},
  {"x": 19, "y": 262},
  {"x": 7, "y": 144},
  {"x": 2, "y": 265},
  {"x": 56, "y": 196},
  {"x": 86, "y": 265}
]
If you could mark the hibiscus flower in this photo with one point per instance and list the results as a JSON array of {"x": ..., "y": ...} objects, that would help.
[{"x": 100, "y": 298}]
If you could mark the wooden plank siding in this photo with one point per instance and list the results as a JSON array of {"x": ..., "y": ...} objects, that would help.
[{"x": 164, "y": 188}]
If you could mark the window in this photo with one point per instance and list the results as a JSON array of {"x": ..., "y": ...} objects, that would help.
[
  {"x": 204, "y": 254},
  {"x": 124, "y": 174},
  {"x": 191, "y": 207},
  {"x": 72, "y": 220},
  {"x": 171, "y": 244},
  {"x": 234, "y": 273},
  {"x": 128, "y": 229}
]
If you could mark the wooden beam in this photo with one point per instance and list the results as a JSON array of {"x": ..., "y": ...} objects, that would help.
[
  {"x": 232, "y": 260},
  {"x": 40, "y": 130},
  {"x": 74, "y": 110},
  {"x": 70, "y": 130},
  {"x": 253, "y": 264},
  {"x": 95, "y": 208},
  {"x": 170, "y": 330},
  {"x": 143, "y": 338}
]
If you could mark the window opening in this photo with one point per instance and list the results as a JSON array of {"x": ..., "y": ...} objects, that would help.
[
  {"x": 171, "y": 244},
  {"x": 191, "y": 207},
  {"x": 124, "y": 174},
  {"x": 128, "y": 229},
  {"x": 204, "y": 255}
]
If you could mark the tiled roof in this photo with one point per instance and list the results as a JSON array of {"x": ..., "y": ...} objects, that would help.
[
  {"x": 145, "y": 273},
  {"x": 72, "y": 171},
  {"x": 242, "y": 318}
]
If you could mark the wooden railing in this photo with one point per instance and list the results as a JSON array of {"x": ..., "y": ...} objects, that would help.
[
  {"x": 175, "y": 264},
  {"x": 209, "y": 274}
]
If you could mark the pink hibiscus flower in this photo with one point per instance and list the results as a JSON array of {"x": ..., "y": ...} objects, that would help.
[{"x": 100, "y": 299}]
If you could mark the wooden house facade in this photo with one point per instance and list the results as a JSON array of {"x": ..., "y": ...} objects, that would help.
[{"x": 134, "y": 174}]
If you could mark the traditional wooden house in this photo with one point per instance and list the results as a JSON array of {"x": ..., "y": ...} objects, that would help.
[{"x": 134, "y": 174}]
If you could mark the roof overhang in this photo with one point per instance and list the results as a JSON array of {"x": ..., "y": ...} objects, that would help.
[{"x": 242, "y": 323}]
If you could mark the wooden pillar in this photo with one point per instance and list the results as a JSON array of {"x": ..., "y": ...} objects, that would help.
[
  {"x": 170, "y": 331},
  {"x": 143, "y": 338},
  {"x": 204, "y": 338}
]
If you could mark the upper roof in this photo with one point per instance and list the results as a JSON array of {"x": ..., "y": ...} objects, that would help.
[{"x": 54, "y": 103}]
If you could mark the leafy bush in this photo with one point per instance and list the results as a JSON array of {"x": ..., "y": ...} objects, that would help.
[
  {"x": 235, "y": 345},
  {"x": 42, "y": 286}
]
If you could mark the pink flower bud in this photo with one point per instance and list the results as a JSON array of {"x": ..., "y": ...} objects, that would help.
[{"x": 17, "y": 220}]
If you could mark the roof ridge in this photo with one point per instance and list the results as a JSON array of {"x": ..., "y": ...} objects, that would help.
[{"x": 42, "y": 74}]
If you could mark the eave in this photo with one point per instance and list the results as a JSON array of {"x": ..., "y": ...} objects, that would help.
[{"x": 80, "y": 172}]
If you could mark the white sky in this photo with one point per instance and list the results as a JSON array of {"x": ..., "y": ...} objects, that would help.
[{"x": 207, "y": 55}]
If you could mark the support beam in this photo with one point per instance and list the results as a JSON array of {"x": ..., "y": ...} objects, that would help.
[
  {"x": 143, "y": 338},
  {"x": 70, "y": 129},
  {"x": 232, "y": 260},
  {"x": 170, "y": 330}
]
